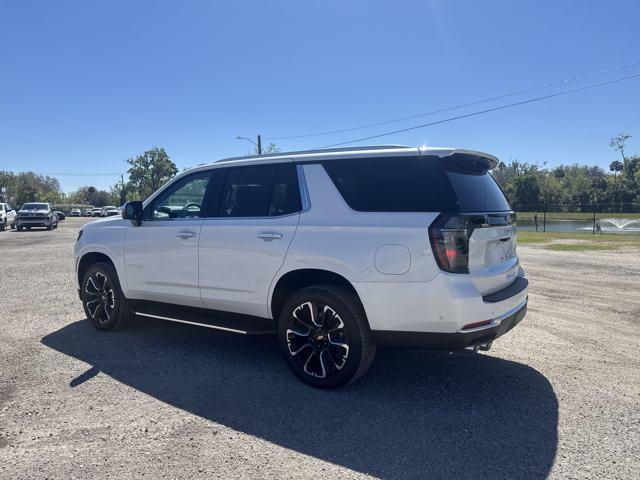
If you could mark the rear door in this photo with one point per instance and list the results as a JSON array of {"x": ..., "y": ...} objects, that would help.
[
  {"x": 493, "y": 263},
  {"x": 244, "y": 245},
  {"x": 161, "y": 254}
]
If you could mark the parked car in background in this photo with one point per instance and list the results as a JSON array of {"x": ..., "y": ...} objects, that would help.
[
  {"x": 36, "y": 215},
  {"x": 75, "y": 212},
  {"x": 87, "y": 212},
  {"x": 109, "y": 211},
  {"x": 335, "y": 251},
  {"x": 61, "y": 215},
  {"x": 96, "y": 212},
  {"x": 7, "y": 217}
]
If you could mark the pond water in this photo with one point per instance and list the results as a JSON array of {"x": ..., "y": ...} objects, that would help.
[{"x": 577, "y": 225}]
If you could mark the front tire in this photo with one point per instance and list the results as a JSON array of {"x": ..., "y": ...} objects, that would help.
[
  {"x": 325, "y": 337},
  {"x": 104, "y": 303}
]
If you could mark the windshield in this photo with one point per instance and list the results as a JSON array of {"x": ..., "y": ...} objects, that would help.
[{"x": 35, "y": 206}]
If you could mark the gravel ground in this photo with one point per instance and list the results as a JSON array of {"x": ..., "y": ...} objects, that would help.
[{"x": 557, "y": 397}]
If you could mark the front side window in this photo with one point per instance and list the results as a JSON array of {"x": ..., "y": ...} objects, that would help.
[
  {"x": 260, "y": 191},
  {"x": 183, "y": 199}
]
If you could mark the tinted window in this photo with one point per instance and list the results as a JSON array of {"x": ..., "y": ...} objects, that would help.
[
  {"x": 183, "y": 199},
  {"x": 475, "y": 189},
  {"x": 35, "y": 206},
  {"x": 402, "y": 184},
  {"x": 260, "y": 191},
  {"x": 285, "y": 193},
  {"x": 414, "y": 184}
]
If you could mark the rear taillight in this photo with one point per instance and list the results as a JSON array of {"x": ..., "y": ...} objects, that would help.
[{"x": 449, "y": 235}]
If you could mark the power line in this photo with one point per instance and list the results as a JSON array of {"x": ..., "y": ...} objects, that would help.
[
  {"x": 480, "y": 112},
  {"x": 463, "y": 105}
]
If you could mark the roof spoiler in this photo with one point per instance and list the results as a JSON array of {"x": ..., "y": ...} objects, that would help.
[{"x": 489, "y": 161}]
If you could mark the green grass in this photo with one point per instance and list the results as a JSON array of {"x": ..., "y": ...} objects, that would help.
[
  {"x": 580, "y": 247},
  {"x": 577, "y": 241},
  {"x": 528, "y": 216}
]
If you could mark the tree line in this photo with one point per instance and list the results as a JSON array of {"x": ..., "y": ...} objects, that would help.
[
  {"x": 574, "y": 187},
  {"x": 528, "y": 186},
  {"x": 147, "y": 172}
]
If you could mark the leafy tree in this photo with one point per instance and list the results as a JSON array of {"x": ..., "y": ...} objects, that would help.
[
  {"x": 89, "y": 195},
  {"x": 150, "y": 171},
  {"x": 526, "y": 191}
]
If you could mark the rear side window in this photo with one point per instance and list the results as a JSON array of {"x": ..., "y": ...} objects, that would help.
[
  {"x": 415, "y": 184},
  {"x": 260, "y": 191},
  {"x": 391, "y": 184}
]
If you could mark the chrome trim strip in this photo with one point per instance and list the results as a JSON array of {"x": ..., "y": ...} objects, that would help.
[
  {"x": 496, "y": 321},
  {"x": 215, "y": 327}
]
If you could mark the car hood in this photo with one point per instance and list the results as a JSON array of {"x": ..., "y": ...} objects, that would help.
[{"x": 112, "y": 221}]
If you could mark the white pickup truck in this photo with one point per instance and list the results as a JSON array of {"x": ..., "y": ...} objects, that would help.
[{"x": 7, "y": 217}]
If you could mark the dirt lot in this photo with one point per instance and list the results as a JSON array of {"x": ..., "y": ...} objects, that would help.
[{"x": 558, "y": 396}]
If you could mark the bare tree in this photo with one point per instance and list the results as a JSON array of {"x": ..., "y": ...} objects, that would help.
[{"x": 617, "y": 143}]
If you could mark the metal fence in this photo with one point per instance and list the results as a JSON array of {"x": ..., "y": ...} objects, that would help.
[{"x": 597, "y": 218}]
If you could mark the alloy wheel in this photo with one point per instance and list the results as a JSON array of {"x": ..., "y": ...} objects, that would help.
[
  {"x": 316, "y": 339},
  {"x": 100, "y": 297}
]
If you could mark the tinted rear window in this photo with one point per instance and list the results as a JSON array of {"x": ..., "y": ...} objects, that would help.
[{"x": 415, "y": 184}]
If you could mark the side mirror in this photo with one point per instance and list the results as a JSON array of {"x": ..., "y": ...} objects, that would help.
[{"x": 133, "y": 211}]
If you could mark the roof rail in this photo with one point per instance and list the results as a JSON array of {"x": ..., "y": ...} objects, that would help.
[{"x": 319, "y": 150}]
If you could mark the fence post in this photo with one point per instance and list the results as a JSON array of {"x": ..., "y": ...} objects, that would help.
[
  {"x": 544, "y": 219},
  {"x": 594, "y": 218}
]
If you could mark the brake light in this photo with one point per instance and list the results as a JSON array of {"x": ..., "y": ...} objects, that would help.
[{"x": 449, "y": 235}]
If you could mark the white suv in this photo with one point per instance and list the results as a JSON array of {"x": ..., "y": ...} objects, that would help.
[
  {"x": 334, "y": 251},
  {"x": 7, "y": 217}
]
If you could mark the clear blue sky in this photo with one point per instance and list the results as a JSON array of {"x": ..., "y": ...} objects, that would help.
[{"x": 86, "y": 84}]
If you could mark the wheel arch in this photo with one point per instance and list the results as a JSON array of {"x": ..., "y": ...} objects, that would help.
[
  {"x": 295, "y": 280},
  {"x": 89, "y": 259}
]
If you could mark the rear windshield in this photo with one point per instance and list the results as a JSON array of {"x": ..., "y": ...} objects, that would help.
[{"x": 416, "y": 184}]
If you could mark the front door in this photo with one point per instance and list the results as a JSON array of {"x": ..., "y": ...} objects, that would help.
[
  {"x": 244, "y": 245},
  {"x": 161, "y": 254}
]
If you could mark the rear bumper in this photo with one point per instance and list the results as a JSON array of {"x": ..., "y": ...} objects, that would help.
[{"x": 451, "y": 341}]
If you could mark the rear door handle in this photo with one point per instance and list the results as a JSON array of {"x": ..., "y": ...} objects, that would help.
[
  {"x": 186, "y": 234},
  {"x": 268, "y": 236}
]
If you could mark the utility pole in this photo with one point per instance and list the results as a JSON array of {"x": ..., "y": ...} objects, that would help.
[{"x": 258, "y": 144}]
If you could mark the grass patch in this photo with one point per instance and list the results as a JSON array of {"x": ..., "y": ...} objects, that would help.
[
  {"x": 579, "y": 247},
  {"x": 528, "y": 216},
  {"x": 577, "y": 241}
]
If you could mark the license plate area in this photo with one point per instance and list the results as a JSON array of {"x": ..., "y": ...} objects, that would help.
[{"x": 499, "y": 251}]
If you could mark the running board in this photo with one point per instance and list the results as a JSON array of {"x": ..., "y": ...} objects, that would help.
[{"x": 202, "y": 317}]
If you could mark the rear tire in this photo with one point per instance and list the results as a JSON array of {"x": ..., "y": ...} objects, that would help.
[
  {"x": 325, "y": 337},
  {"x": 104, "y": 303},
  {"x": 13, "y": 226},
  {"x": 3, "y": 227}
]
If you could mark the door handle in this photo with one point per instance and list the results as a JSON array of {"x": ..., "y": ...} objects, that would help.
[
  {"x": 186, "y": 235},
  {"x": 268, "y": 236}
]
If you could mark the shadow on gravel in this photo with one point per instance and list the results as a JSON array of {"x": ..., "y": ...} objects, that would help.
[{"x": 415, "y": 415}]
